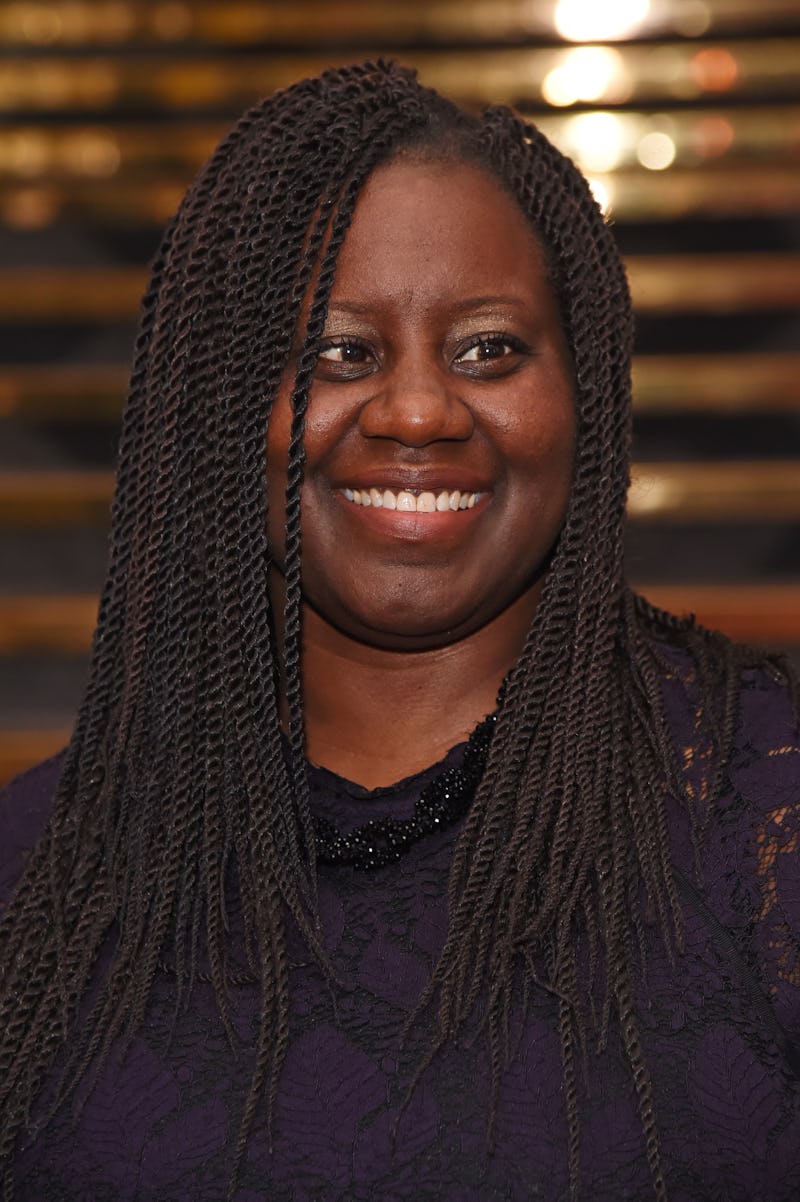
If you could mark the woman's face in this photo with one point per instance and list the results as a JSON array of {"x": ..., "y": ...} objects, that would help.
[{"x": 440, "y": 427}]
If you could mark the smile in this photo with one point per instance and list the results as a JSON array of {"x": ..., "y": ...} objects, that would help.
[{"x": 412, "y": 502}]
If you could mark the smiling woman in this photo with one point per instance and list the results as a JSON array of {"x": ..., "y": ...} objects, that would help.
[
  {"x": 438, "y": 461},
  {"x": 383, "y": 779}
]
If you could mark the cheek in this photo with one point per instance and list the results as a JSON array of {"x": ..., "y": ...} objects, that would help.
[
  {"x": 549, "y": 442},
  {"x": 562, "y": 452}
]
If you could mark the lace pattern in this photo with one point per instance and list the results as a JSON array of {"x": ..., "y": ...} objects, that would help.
[{"x": 718, "y": 1032}]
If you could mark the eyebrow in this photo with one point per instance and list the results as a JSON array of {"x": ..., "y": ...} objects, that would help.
[
  {"x": 463, "y": 306},
  {"x": 490, "y": 302}
]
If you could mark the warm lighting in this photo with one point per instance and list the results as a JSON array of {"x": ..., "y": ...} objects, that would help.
[
  {"x": 98, "y": 84},
  {"x": 9, "y": 398},
  {"x": 600, "y": 20},
  {"x": 558, "y": 87},
  {"x": 586, "y": 74},
  {"x": 714, "y": 69},
  {"x": 596, "y": 140},
  {"x": 39, "y": 24},
  {"x": 163, "y": 201},
  {"x": 649, "y": 494},
  {"x": 25, "y": 153},
  {"x": 712, "y": 136},
  {"x": 656, "y": 150},
  {"x": 77, "y": 22},
  {"x": 30, "y": 208},
  {"x": 603, "y": 192},
  {"x": 91, "y": 152},
  {"x": 691, "y": 18},
  {"x": 172, "y": 21},
  {"x": 44, "y": 83},
  {"x": 118, "y": 21}
]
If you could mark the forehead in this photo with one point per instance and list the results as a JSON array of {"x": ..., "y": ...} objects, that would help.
[{"x": 428, "y": 228}]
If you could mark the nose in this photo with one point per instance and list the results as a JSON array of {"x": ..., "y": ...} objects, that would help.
[{"x": 416, "y": 405}]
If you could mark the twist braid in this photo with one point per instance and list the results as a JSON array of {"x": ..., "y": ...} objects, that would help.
[{"x": 178, "y": 793}]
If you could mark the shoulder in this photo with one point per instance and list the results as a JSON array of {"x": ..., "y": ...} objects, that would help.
[
  {"x": 698, "y": 687},
  {"x": 764, "y": 776},
  {"x": 751, "y": 832},
  {"x": 25, "y": 805},
  {"x": 769, "y": 725},
  {"x": 734, "y": 728}
]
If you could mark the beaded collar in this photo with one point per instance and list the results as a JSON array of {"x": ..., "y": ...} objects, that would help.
[{"x": 440, "y": 804}]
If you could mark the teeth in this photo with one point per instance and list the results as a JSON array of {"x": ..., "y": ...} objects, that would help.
[{"x": 409, "y": 502}]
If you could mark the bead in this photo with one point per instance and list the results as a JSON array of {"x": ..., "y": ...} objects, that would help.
[{"x": 441, "y": 803}]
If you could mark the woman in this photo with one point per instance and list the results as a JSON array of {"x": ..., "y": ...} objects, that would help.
[{"x": 399, "y": 850}]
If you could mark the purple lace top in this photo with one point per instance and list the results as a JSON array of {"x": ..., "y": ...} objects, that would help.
[{"x": 721, "y": 1033}]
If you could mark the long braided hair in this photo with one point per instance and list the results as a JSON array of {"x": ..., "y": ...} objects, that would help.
[{"x": 175, "y": 786}]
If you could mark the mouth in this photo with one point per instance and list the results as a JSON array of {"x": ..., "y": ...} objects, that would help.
[{"x": 410, "y": 500}]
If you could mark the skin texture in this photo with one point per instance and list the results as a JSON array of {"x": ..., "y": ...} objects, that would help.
[{"x": 443, "y": 365}]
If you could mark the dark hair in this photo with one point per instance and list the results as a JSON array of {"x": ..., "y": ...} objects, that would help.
[{"x": 175, "y": 786}]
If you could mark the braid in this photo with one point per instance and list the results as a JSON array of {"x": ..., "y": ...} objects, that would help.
[{"x": 177, "y": 787}]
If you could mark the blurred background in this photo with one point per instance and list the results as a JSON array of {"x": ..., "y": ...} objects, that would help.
[{"x": 685, "y": 115}]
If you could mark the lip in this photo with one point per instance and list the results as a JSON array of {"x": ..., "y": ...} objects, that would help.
[{"x": 416, "y": 479}]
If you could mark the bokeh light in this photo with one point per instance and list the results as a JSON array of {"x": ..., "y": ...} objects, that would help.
[
  {"x": 30, "y": 208},
  {"x": 91, "y": 152},
  {"x": 597, "y": 140},
  {"x": 656, "y": 150},
  {"x": 39, "y": 24},
  {"x": 603, "y": 192},
  {"x": 714, "y": 69},
  {"x": 599, "y": 20},
  {"x": 586, "y": 74},
  {"x": 172, "y": 21},
  {"x": 712, "y": 136},
  {"x": 25, "y": 153},
  {"x": 691, "y": 18}
]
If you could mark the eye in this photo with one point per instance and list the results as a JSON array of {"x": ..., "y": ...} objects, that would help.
[
  {"x": 344, "y": 358},
  {"x": 343, "y": 352},
  {"x": 491, "y": 354}
]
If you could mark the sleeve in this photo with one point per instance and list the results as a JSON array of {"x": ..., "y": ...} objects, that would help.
[{"x": 767, "y": 772}]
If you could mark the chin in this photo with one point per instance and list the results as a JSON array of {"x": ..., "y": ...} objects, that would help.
[
  {"x": 410, "y": 640},
  {"x": 399, "y": 626}
]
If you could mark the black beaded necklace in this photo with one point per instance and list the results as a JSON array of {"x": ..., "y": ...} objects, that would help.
[{"x": 441, "y": 803}]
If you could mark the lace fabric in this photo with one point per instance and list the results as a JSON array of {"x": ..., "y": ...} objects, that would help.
[
  {"x": 718, "y": 1031},
  {"x": 779, "y": 858}
]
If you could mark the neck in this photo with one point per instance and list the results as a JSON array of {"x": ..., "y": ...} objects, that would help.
[{"x": 375, "y": 715}]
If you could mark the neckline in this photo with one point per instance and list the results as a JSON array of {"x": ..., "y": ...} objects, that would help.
[
  {"x": 325, "y": 779},
  {"x": 356, "y": 837}
]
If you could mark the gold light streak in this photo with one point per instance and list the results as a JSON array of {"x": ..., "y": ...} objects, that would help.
[
  {"x": 596, "y": 21},
  {"x": 587, "y": 74},
  {"x": 596, "y": 140}
]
